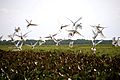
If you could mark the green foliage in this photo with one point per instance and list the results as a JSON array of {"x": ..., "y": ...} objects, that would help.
[{"x": 60, "y": 63}]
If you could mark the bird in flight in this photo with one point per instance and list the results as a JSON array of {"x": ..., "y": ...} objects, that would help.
[
  {"x": 78, "y": 26},
  {"x": 34, "y": 44},
  {"x": 23, "y": 36},
  {"x": 72, "y": 32},
  {"x": 74, "y": 23},
  {"x": 30, "y": 24},
  {"x": 11, "y": 36},
  {"x": 51, "y": 36},
  {"x": 17, "y": 29},
  {"x": 62, "y": 26},
  {"x": 99, "y": 29},
  {"x": 57, "y": 41}
]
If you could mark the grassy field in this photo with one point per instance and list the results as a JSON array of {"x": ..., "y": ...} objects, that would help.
[
  {"x": 85, "y": 49},
  {"x": 50, "y": 62}
]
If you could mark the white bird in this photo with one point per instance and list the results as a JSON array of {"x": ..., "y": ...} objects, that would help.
[
  {"x": 78, "y": 26},
  {"x": 33, "y": 45},
  {"x": 74, "y": 23},
  {"x": 93, "y": 49},
  {"x": 96, "y": 43},
  {"x": 12, "y": 37},
  {"x": 98, "y": 26},
  {"x": 41, "y": 41},
  {"x": 18, "y": 46},
  {"x": 17, "y": 29},
  {"x": 57, "y": 41},
  {"x": 22, "y": 36},
  {"x": 115, "y": 42},
  {"x": 72, "y": 32},
  {"x": 100, "y": 32},
  {"x": 51, "y": 36},
  {"x": 118, "y": 41},
  {"x": 30, "y": 24},
  {"x": 71, "y": 44}
]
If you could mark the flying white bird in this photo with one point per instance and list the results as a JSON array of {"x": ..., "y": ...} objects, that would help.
[
  {"x": 17, "y": 29},
  {"x": 51, "y": 36},
  {"x": 33, "y": 45},
  {"x": 41, "y": 41},
  {"x": 74, "y": 23},
  {"x": 71, "y": 44},
  {"x": 18, "y": 46},
  {"x": 78, "y": 26},
  {"x": 12, "y": 37},
  {"x": 93, "y": 49},
  {"x": 30, "y": 24},
  {"x": 98, "y": 26},
  {"x": 118, "y": 41},
  {"x": 22, "y": 36},
  {"x": 96, "y": 43},
  {"x": 99, "y": 30},
  {"x": 72, "y": 32},
  {"x": 115, "y": 42},
  {"x": 57, "y": 41}
]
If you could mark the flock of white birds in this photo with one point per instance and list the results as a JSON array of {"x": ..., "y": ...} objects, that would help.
[{"x": 76, "y": 26}]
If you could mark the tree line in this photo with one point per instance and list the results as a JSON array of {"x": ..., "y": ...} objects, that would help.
[{"x": 51, "y": 42}]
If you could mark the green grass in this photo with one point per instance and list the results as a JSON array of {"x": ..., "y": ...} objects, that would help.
[{"x": 85, "y": 49}]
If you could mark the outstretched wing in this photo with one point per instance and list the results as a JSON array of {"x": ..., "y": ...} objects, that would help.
[
  {"x": 78, "y": 19},
  {"x": 98, "y": 42},
  {"x": 27, "y": 21},
  {"x": 70, "y": 20},
  {"x": 33, "y": 24},
  {"x": 79, "y": 33},
  {"x": 48, "y": 37},
  {"x": 71, "y": 30},
  {"x": 1, "y": 37},
  {"x": 62, "y": 26},
  {"x": 94, "y": 33},
  {"x": 26, "y": 34},
  {"x": 102, "y": 34},
  {"x": 54, "y": 34}
]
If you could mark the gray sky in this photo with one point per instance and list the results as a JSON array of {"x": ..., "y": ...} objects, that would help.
[{"x": 50, "y": 14}]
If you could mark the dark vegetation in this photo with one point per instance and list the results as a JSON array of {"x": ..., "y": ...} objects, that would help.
[
  {"x": 58, "y": 65},
  {"x": 64, "y": 42}
]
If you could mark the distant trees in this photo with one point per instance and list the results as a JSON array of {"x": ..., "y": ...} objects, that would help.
[{"x": 51, "y": 42}]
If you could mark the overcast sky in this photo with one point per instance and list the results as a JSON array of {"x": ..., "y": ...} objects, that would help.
[{"x": 50, "y": 14}]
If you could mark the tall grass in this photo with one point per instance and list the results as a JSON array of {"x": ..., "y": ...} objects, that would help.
[{"x": 85, "y": 49}]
